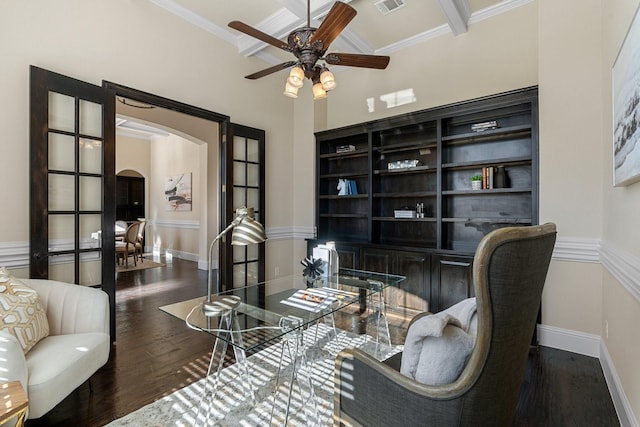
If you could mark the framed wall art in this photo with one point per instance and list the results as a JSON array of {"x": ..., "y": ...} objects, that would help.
[
  {"x": 626, "y": 108},
  {"x": 177, "y": 190}
]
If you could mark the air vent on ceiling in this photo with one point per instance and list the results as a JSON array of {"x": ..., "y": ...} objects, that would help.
[{"x": 387, "y": 6}]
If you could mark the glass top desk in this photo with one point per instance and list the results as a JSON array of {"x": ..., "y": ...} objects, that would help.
[{"x": 254, "y": 317}]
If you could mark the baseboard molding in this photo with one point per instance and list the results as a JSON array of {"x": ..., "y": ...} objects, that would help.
[
  {"x": 620, "y": 401},
  {"x": 591, "y": 345},
  {"x": 568, "y": 340}
]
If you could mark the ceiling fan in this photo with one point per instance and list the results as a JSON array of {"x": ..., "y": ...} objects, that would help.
[{"x": 309, "y": 45}]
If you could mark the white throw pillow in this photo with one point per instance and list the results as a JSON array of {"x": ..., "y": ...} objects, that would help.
[{"x": 436, "y": 350}]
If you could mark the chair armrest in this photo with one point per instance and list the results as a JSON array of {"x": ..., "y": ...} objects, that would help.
[
  {"x": 368, "y": 392},
  {"x": 13, "y": 364},
  {"x": 72, "y": 308}
]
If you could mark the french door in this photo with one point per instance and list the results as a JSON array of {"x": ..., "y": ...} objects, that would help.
[
  {"x": 72, "y": 188},
  {"x": 243, "y": 178}
]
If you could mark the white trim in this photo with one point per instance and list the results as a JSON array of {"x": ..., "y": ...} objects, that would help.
[
  {"x": 622, "y": 265},
  {"x": 577, "y": 249},
  {"x": 290, "y": 233},
  {"x": 620, "y": 401},
  {"x": 175, "y": 223},
  {"x": 481, "y": 15},
  {"x": 195, "y": 19},
  {"x": 497, "y": 9},
  {"x": 14, "y": 254},
  {"x": 568, "y": 340}
]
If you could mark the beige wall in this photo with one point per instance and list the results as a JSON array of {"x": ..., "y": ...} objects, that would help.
[
  {"x": 621, "y": 234},
  {"x": 139, "y": 45},
  {"x": 173, "y": 230},
  {"x": 496, "y": 55}
]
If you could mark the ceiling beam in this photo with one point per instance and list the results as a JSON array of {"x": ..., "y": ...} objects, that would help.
[{"x": 457, "y": 13}]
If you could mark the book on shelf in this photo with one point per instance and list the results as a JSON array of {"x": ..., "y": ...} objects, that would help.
[{"x": 488, "y": 173}]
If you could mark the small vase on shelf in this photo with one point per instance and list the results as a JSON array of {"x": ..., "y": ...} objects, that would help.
[{"x": 500, "y": 179}]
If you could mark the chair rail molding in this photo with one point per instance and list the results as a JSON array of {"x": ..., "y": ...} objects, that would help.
[
  {"x": 288, "y": 233},
  {"x": 622, "y": 265},
  {"x": 577, "y": 249},
  {"x": 175, "y": 223}
]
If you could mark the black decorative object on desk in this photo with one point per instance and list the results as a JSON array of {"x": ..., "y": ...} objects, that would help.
[{"x": 312, "y": 270}]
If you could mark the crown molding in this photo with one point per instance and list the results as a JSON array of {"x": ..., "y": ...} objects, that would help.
[
  {"x": 195, "y": 19},
  {"x": 475, "y": 17}
]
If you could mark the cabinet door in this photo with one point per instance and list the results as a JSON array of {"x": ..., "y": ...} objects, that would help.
[
  {"x": 348, "y": 256},
  {"x": 413, "y": 294},
  {"x": 452, "y": 281}
]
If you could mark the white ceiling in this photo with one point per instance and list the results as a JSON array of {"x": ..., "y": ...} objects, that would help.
[{"x": 370, "y": 32}]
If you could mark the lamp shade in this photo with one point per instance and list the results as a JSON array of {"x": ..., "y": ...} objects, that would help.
[
  {"x": 296, "y": 77},
  {"x": 327, "y": 80},
  {"x": 248, "y": 232},
  {"x": 290, "y": 91},
  {"x": 318, "y": 91}
]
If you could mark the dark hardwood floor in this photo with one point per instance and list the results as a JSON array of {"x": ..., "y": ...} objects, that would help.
[{"x": 155, "y": 354}]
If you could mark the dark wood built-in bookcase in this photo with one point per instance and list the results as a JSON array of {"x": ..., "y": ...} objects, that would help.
[{"x": 427, "y": 158}]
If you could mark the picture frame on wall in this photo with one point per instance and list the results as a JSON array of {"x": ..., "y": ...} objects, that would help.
[
  {"x": 626, "y": 108},
  {"x": 177, "y": 191}
]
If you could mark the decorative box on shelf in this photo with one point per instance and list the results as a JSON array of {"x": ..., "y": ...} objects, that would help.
[
  {"x": 403, "y": 164},
  {"x": 345, "y": 148},
  {"x": 404, "y": 213},
  {"x": 479, "y": 127}
]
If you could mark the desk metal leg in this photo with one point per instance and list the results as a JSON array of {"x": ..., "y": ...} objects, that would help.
[
  {"x": 378, "y": 313},
  {"x": 211, "y": 382},
  {"x": 230, "y": 328},
  {"x": 293, "y": 344}
]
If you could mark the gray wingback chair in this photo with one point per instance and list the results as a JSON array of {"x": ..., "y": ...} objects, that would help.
[{"x": 509, "y": 271}]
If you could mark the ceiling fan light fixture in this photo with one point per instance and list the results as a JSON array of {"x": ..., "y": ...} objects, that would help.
[
  {"x": 290, "y": 91},
  {"x": 318, "y": 91},
  {"x": 296, "y": 77},
  {"x": 328, "y": 80}
]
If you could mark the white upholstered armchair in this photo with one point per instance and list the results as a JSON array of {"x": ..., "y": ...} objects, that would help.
[{"x": 77, "y": 346}]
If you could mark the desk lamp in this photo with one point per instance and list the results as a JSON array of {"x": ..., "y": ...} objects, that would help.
[{"x": 246, "y": 231}]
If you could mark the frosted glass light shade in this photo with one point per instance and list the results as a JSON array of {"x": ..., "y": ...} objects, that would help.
[
  {"x": 327, "y": 80},
  {"x": 318, "y": 91},
  {"x": 296, "y": 77},
  {"x": 290, "y": 91}
]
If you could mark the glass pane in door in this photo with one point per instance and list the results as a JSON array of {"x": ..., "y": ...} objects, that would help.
[
  {"x": 61, "y": 154},
  {"x": 90, "y": 268},
  {"x": 61, "y": 232},
  {"x": 62, "y": 112},
  {"x": 61, "y": 192},
  {"x": 90, "y": 193},
  {"x": 90, "y": 233},
  {"x": 90, "y": 156},
  {"x": 253, "y": 150},
  {"x": 90, "y": 118}
]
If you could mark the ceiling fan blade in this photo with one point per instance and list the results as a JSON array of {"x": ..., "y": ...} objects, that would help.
[
  {"x": 356, "y": 60},
  {"x": 249, "y": 30},
  {"x": 338, "y": 17},
  {"x": 270, "y": 70}
]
